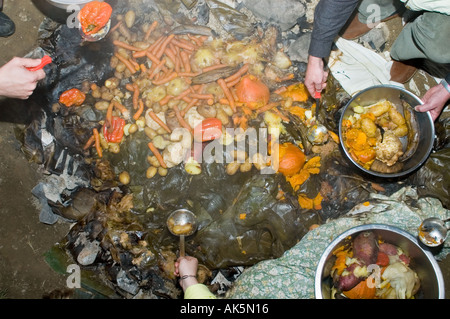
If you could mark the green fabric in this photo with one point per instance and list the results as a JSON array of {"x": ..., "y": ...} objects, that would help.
[
  {"x": 292, "y": 275},
  {"x": 198, "y": 291}
]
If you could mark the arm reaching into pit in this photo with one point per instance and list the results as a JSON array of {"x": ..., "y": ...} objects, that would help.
[{"x": 16, "y": 81}]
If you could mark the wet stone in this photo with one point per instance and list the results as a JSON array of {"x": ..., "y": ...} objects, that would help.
[{"x": 282, "y": 12}]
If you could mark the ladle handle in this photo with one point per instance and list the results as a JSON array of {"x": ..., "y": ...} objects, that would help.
[{"x": 182, "y": 249}]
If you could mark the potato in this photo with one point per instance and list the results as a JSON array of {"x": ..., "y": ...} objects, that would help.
[
  {"x": 207, "y": 110},
  {"x": 101, "y": 105},
  {"x": 130, "y": 17},
  {"x": 151, "y": 171},
  {"x": 365, "y": 248},
  {"x": 396, "y": 116},
  {"x": 177, "y": 86},
  {"x": 348, "y": 280},
  {"x": 368, "y": 127},
  {"x": 245, "y": 167},
  {"x": 124, "y": 177},
  {"x": 401, "y": 131},
  {"x": 232, "y": 168},
  {"x": 380, "y": 108},
  {"x": 112, "y": 83}
]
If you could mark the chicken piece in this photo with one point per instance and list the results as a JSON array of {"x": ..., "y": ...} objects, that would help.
[{"x": 390, "y": 149}]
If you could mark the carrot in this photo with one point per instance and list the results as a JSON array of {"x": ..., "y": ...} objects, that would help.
[
  {"x": 126, "y": 62},
  {"x": 167, "y": 78},
  {"x": 157, "y": 154},
  {"x": 233, "y": 83},
  {"x": 189, "y": 74},
  {"x": 97, "y": 142},
  {"x": 198, "y": 42},
  {"x": 139, "y": 54},
  {"x": 183, "y": 45},
  {"x": 228, "y": 94},
  {"x": 170, "y": 54},
  {"x": 214, "y": 67},
  {"x": 164, "y": 44},
  {"x": 181, "y": 119},
  {"x": 157, "y": 68},
  {"x": 140, "y": 110},
  {"x": 266, "y": 107},
  {"x": 129, "y": 87},
  {"x": 159, "y": 121},
  {"x": 165, "y": 99},
  {"x": 150, "y": 30},
  {"x": 109, "y": 114},
  {"x": 238, "y": 74},
  {"x": 125, "y": 45},
  {"x": 89, "y": 142},
  {"x": 135, "y": 96},
  {"x": 290, "y": 76},
  {"x": 114, "y": 28},
  {"x": 280, "y": 90},
  {"x": 134, "y": 64},
  {"x": 281, "y": 115},
  {"x": 184, "y": 93},
  {"x": 201, "y": 96},
  {"x": 186, "y": 63},
  {"x": 190, "y": 104},
  {"x": 122, "y": 109},
  {"x": 157, "y": 45}
]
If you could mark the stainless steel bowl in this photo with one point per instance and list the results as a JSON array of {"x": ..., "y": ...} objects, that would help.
[
  {"x": 395, "y": 95},
  {"x": 422, "y": 261},
  {"x": 65, "y": 4}
]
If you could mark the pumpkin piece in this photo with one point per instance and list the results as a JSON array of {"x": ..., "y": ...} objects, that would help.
[
  {"x": 297, "y": 92},
  {"x": 361, "y": 291},
  {"x": 252, "y": 91},
  {"x": 291, "y": 159}
]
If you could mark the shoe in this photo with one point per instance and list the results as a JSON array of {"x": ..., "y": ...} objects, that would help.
[
  {"x": 356, "y": 28},
  {"x": 402, "y": 72},
  {"x": 7, "y": 26}
]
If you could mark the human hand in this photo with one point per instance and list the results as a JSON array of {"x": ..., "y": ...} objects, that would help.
[
  {"x": 187, "y": 266},
  {"x": 434, "y": 101},
  {"x": 315, "y": 77},
  {"x": 16, "y": 81}
]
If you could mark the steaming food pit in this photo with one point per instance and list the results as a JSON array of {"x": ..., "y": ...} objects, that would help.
[{"x": 187, "y": 105}]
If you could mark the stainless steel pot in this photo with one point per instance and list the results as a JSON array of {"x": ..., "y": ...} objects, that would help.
[
  {"x": 395, "y": 95},
  {"x": 422, "y": 261}
]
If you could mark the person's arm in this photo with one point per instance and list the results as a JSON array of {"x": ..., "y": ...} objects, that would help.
[
  {"x": 329, "y": 18},
  {"x": 16, "y": 81},
  {"x": 436, "y": 98},
  {"x": 186, "y": 268}
]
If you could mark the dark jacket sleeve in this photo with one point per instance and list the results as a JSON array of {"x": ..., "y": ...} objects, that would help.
[{"x": 329, "y": 18}]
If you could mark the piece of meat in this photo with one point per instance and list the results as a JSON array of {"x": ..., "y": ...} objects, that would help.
[
  {"x": 390, "y": 149},
  {"x": 365, "y": 248}
]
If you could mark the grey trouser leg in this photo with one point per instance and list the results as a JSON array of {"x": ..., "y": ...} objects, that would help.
[
  {"x": 372, "y": 11},
  {"x": 427, "y": 37}
]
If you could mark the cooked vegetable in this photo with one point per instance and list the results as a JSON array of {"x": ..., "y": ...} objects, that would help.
[
  {"x": 209, "y": 129},
  {"x": 113, "y": 133},
  {"x": 72, "y": 97},
  {"x": 291, "y": 159},
  {"x": 365, "y": 248},
  {"x": 252, "y": 91},
  {"x": 94, "y": 16}
]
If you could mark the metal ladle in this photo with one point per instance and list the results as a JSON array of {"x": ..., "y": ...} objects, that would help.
[
  {"x": 317, "y": 134},
  {"x": 433, "y": 231},
  {"x": 182, "y": 222}
]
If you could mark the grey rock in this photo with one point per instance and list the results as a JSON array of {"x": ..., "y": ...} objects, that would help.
[
  {"x": 282, "y": 12},
  {"x": 298, "y": 50}
]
